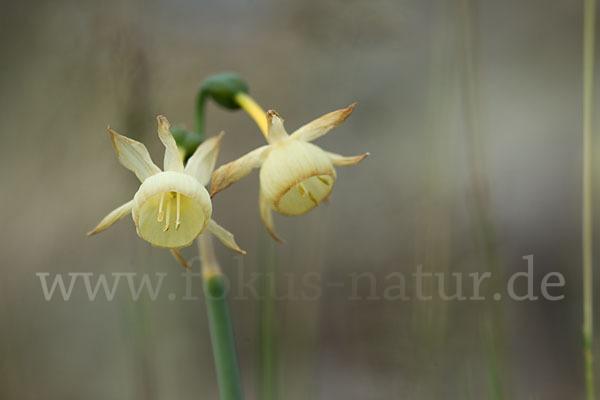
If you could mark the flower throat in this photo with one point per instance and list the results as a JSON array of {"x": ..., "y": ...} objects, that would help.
[{"x": 169, "y": 197}]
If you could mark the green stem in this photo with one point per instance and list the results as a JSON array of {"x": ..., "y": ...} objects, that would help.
[
  {"x": 588, "y": 84},
  {"x": 268, "y": 338},
  {"x": 492, "y": 361},
  {"x": 219, "y": 320},
  {"x": 495, "y": 334},
  {"x": 200, "y": 104}
]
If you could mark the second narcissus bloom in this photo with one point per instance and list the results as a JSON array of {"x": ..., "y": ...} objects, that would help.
[
  {"x": 295, "y": 175},
  {"x": 172, "y": 207}
]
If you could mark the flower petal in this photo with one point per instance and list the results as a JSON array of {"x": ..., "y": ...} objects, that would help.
[
  {"x": 179, "y": 258},
  {"x": 133, "y": 155},
  {"x": 113, "y": 217},
  {"x": 224, "y": 236},
  {"x": 266, "y": 213},
  {"x": 173, "y": 161},
  {"x": 342, "y": 161},
  {"x": 323, "y": 124},
  {"x": 232, "y": 172},
  {"x": 275, "y": 129},
  {"x": 202, "y": 163}
]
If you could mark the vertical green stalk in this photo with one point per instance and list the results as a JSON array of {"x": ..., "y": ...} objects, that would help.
[
  {"x": 492, "y": 363},
  {"x": 200, "y": 101},
  {"x": 219, "y": 320},
  {"x": 267, "y": 330},
  {"x": 431, "y": 318},
  {"x": 589, "y": 13},
  {"x": 493, "y": 329}
]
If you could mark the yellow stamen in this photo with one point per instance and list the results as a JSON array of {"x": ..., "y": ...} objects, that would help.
[
  {"x": 302, "y": 190},
  {"x": 166, "y": 228},
  {"x": 178, "y": 222},
  {"x": 325, "y": 181},
  {"x": 160, "y": 208},
  {"x": 254, "y": 110},
  {"x": 313, "y": 198}
]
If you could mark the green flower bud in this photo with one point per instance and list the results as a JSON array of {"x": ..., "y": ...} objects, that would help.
[
  {"x": 223, "y": 87},
  {"x": 186, "y": 140}
]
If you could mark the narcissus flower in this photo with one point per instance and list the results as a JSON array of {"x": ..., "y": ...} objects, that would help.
[
  {"x": 295, "y": 175},
  {"x": 172, "y": 207}
]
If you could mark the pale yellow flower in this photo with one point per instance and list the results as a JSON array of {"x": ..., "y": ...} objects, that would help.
[
  {"x": 295, "y": 175},
  {"x": 172, "y": 207}
]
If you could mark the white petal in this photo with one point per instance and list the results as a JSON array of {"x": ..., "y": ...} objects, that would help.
[
  {"x": 266, "y": 213},
  {"x": 133, "y": 155},
  {"x": 342, "y": 161},
  {"x": 179, "y": 258},
  {"x": 173, "y": 161},
  {"x": 323, "y": 124},
  {"x": 224, "y": 236},
  {"x": 113, "y": 217},
  {"x": 229, "y": 173},
  {"x": 202, "y": 163},
  {"x": 275, "y": 129}
]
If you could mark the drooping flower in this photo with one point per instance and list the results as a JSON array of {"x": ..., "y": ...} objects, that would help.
[
  {"x": 172, "y": 207},
  {"x": 295, "y": 175}
]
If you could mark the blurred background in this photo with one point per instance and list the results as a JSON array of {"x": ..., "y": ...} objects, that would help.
[{"x": 471, "y": 111}]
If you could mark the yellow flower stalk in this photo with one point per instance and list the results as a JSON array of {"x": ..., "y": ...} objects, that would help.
[
  {"x": 172, "y": 207},
  {"x": 295, "y": 175}
]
